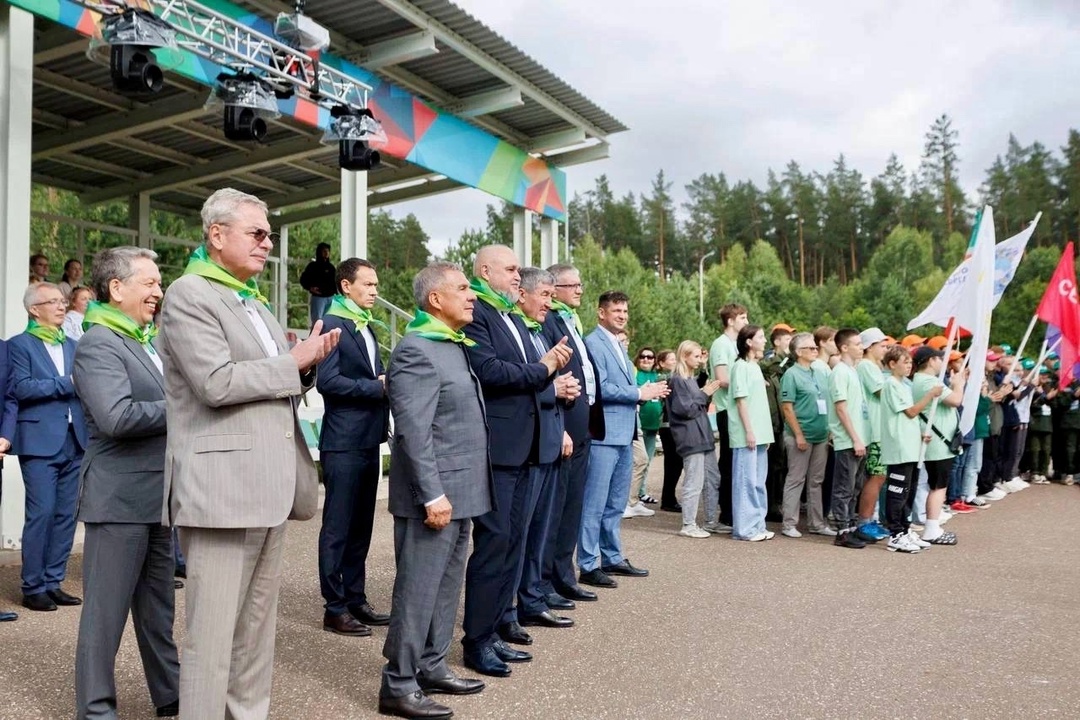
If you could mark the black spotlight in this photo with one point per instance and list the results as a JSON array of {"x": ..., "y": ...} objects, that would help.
[
  {"x": 356, "y": 155},
  {"x": 241, "y": 123},
  {"x": 133, "y": 69}
]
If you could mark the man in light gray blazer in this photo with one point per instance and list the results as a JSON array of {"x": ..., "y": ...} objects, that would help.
[
  {"x": 440, "y": 478},
  {"x": 127, "y": 555},
  {"x": 236, "y": 465}
]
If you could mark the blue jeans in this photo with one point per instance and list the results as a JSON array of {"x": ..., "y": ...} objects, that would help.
[
  {"x": 607, "y": 484},
  {"x": 956, "y": 476},
  {"x": 749, "y": 501},
  {"x": 972, "y": 468},
  {"x": 318, "y": 306}
]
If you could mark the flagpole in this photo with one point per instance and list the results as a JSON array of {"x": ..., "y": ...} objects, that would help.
[
  {"x": 1042, "y": 357},
  {"x": 1023, "y": 343},
  {"x": 954, "y": 330}
]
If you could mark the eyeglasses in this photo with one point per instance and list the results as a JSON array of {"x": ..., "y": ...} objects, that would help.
[
  {"x": 55, "y": 301},
  {"x": 811, "y": 348},
  {"x": 258, "y": 234},
  {"x": 572, "y": 286}
]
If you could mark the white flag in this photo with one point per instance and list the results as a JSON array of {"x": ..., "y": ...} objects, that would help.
[{"x": 974, "y": 311}]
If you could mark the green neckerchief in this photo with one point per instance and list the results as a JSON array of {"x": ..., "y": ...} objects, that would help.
[
  {"x": 568, "y": 313},
  {"x": 52, "y": 336},
  {"x": 98, "y": 313},
  {"x": 492, "y": 298},
  {"x": 432, "y": 328},
  {"x": 534, "y": 326},
  {"x": 343, "y": 307},
  {"x": 200, "y": 264}
]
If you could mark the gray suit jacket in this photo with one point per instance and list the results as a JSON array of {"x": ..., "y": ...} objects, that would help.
[
  {"x": 440, "y": 430},
  {"x": 235, "y": 456},
  {"x": 123, "y": 397}
]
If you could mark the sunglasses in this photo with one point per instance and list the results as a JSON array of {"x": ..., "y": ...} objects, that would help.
[{"x": 648, "y": 357}]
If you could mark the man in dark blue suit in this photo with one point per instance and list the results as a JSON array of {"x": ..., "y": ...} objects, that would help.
[
  {"x": 50, "y": 436},
  {"x": 511, "y": 376},
  {"x": 584, "y": 422},
  {"x": 352, "y": 383},
  {"x": 8, "y": 412}
]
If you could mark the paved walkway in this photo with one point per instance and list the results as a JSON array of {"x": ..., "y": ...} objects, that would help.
[{"x": 722, "y": 629}]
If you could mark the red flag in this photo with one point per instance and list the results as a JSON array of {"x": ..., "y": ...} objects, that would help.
[{"x": 1060, "y": 307}]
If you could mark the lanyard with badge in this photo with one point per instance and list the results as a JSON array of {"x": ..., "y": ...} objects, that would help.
[{"x": 822, "y": 406}]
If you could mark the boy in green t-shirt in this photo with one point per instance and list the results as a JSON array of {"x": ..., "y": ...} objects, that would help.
[
  {"x": 848, "y": 423},
  {"x": 722, "y": 355}
]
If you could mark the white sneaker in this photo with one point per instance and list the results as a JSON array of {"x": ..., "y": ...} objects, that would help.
[
  {"x": 917, "y": 541},
  {"x": 1015, "y": 485},
  {"x": 1003, "y": 487},
  {"x": 995, "y": 494},
  {"x": 717, "y": 528},
  {"x": 901, "y": 543},
  {"x": 769, "y": 534},
  {"x": 1040, "y": 480},
  {"x": 759, "y": 537},
  {"x": 693, "y": 531},
  {"x": 823, "y": 530},
  {"x": 791, "y": 533},
  {"x": 638, "y": 510}
]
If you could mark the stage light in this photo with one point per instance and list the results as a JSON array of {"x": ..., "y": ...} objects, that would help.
[
  {"x": 132, "y": 36},
  {"x": 353, "y": 129},
  {"x": 247, "y": 102}
]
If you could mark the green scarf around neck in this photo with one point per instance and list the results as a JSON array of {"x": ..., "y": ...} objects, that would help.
[
  {"x": 200, "y": 264},
  {"x": 533, "y": 325},
  {"x": 432, "y": 328},
  {"x": 344, "y": 307},
  {"x": 49, "y": 335},
  {"x": 568, "y": 313},
  {"x": 99, "y": 313},
  {"x": 491, "y": 297}
]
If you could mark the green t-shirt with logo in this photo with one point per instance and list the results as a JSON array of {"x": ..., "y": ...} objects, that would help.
[
  {"x": 722, "y": 352},
  {"x": 900, "y": 435},
  {"x": 748, "y": 382},
  {"x": 873, "y": 380},
  {"x": 945, "y": 418},
  {"x": 845, "y": 386},
  {"x": 807, "y": 390}
]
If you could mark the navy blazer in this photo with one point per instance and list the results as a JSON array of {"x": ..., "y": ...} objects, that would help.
[
  {"x": 510, "y": 386},
  {"x": 549, "y": 440},
  {"x": 357, "y": 410},
  {"x": 581, "y": 419},
  {"x": 10, "y": 408},
  {"x": 45, "y": 398}
]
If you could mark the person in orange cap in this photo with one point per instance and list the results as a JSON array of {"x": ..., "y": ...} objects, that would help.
[
  {"x": 912, "y": 341},
  {"x": 938, "y": 342}
]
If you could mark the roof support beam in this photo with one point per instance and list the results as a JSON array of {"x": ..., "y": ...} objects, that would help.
[
  {"x": 110, "y": 127},
  {"x": 556, "y": 140},
  {"x": 332, "y": 190},
  {"x": 600, "y": 151},
  {"x": 57, "y": 44},
  {"x": 399, "y": 50},
  {"x": 93, "y": 94},
  {"x": 489, "y": 102}
]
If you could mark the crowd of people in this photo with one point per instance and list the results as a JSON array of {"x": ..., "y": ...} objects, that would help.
[{"x": 513, "y": 430}]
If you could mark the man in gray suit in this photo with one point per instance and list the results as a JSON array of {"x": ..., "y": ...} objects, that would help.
[
  {"x": 127, "y": 554},
  {"x": 236, "y": 464},
  {"x": 439, "y": 479}
]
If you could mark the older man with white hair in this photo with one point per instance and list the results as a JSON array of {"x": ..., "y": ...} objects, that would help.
[{"x": 236, "y": 464}]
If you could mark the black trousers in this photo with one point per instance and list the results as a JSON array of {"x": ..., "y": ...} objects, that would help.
[
  {"x": 899, "y": 494},
  {"x": 988, "y": 475},
  {"x": 352, "y": 481},
  {"x": 672, "y": 468},
  {"x": 724, "y": 464},
  {"x": 558, "y": 567}
]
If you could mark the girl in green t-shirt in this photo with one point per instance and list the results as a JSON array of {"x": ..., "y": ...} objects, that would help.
[
  {"x": 751, "y": 431},
  {"x": 648, "y": 418}
]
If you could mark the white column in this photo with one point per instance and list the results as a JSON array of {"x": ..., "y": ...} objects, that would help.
[
  {"x": 16, "y": 102},
  {"x": 139, "y": 218},
  {"x": 523, "y": 236},
  {"x": 354, "y": 191},
  {"x": 282, "y": 308},
  {"x": 549, "y": 242}
]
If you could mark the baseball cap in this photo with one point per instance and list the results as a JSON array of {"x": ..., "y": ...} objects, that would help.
[
  {"x": 1006, "y": 349},
  {"x": 783, "y": 326},
  {"x": 924, "y": 353},
  {"x": 911, "y": 341},
  {"x": 938, "y": 342},
  {"x": 1027, "y": 364},
  {"x": 992, "y": 356},
  {"x": 869, "y": 336},
  {"x": 889, "y": 339},
  {"x": 955, "y": 355}
]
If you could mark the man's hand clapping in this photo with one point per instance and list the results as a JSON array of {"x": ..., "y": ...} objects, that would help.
[
  {"x": 567, "y": 387},
  {"x": 315, "y": 347},
  {"x": 556, "y": 358},
  {"x": 654, "y": 390}
]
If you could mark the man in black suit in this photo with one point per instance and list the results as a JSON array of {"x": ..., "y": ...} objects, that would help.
[
  {"x": 511, "y": 375},
  {"x": 352, "y": 383},
  {"x": 9, "y": 410},
  {"x": 583, "y": 420}
]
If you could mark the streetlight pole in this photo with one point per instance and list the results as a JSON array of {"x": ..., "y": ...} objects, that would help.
[{"x": 701, "y": 283}]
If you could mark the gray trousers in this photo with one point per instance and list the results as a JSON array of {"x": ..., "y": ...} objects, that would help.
[
  {"x": 805, "y": 467},
  {"x": 427, "y": 591},
  {"x": 849, "y": 473},
  {"x": 127, "y": 567},
  {"x": 701, "y": 472},
  {"x": 233, "y": 577}
]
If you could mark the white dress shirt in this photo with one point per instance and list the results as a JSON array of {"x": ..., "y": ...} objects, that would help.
[
  {"x": 514, "y": 332},
  {"x": 260, "y": 325}
]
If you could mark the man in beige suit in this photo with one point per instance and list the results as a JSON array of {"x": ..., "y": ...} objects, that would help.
[{"x": 236, "y": 464}]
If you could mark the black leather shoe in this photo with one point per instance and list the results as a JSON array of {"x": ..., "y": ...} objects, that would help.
[
  {"x": 178, "y": 584},
  {"x": 450, "y": 685},
  {"x": 62, "y": 598},
  {"x": 672, "y": 508},
  {"x": 367, "y": 615},
  {"x": 417, "y": 705},
  {"x": 513, "y": 633},
  {"x": 597, "y": 578},
  {"x": 510, "y": 655},
  {"x": 486, "y": 662},
  {"x": 577, "y": 594},
  {"x": 546, "y": 619},
  {"x": 170, "y": 710},
  {"x": 180, "y": 571},
  {"x": 38, "y": 601},
  {"x": 625, "y": 568},
  {"x": 847, "y": 539},
  {"x": 345, "y": 624},
  {"x": 7, "y": 616},
  {"x": 555, "y": 601}
]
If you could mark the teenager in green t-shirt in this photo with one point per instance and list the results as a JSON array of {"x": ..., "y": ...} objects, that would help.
[
  {"x": 872, "y": 376},
  {"x": 750, "y": 430},
  {"x": 722, "y": 355},
  {"x": 848, "y": 422},
  {"x": 900, "y": 446}
]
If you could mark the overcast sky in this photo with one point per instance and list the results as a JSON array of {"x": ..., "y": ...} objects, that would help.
[{"x": 747, "y": 85}]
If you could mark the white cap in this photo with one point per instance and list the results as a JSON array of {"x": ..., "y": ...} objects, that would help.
[{"x": 870, "y": 336}]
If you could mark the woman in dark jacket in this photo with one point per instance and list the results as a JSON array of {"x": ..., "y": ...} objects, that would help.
[{"x": 689, "y": 420}]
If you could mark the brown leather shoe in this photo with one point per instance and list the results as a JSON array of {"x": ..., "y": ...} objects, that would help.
[
  {"x": 345, "y": 624},
  {"x": 417, "y": 705}
]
